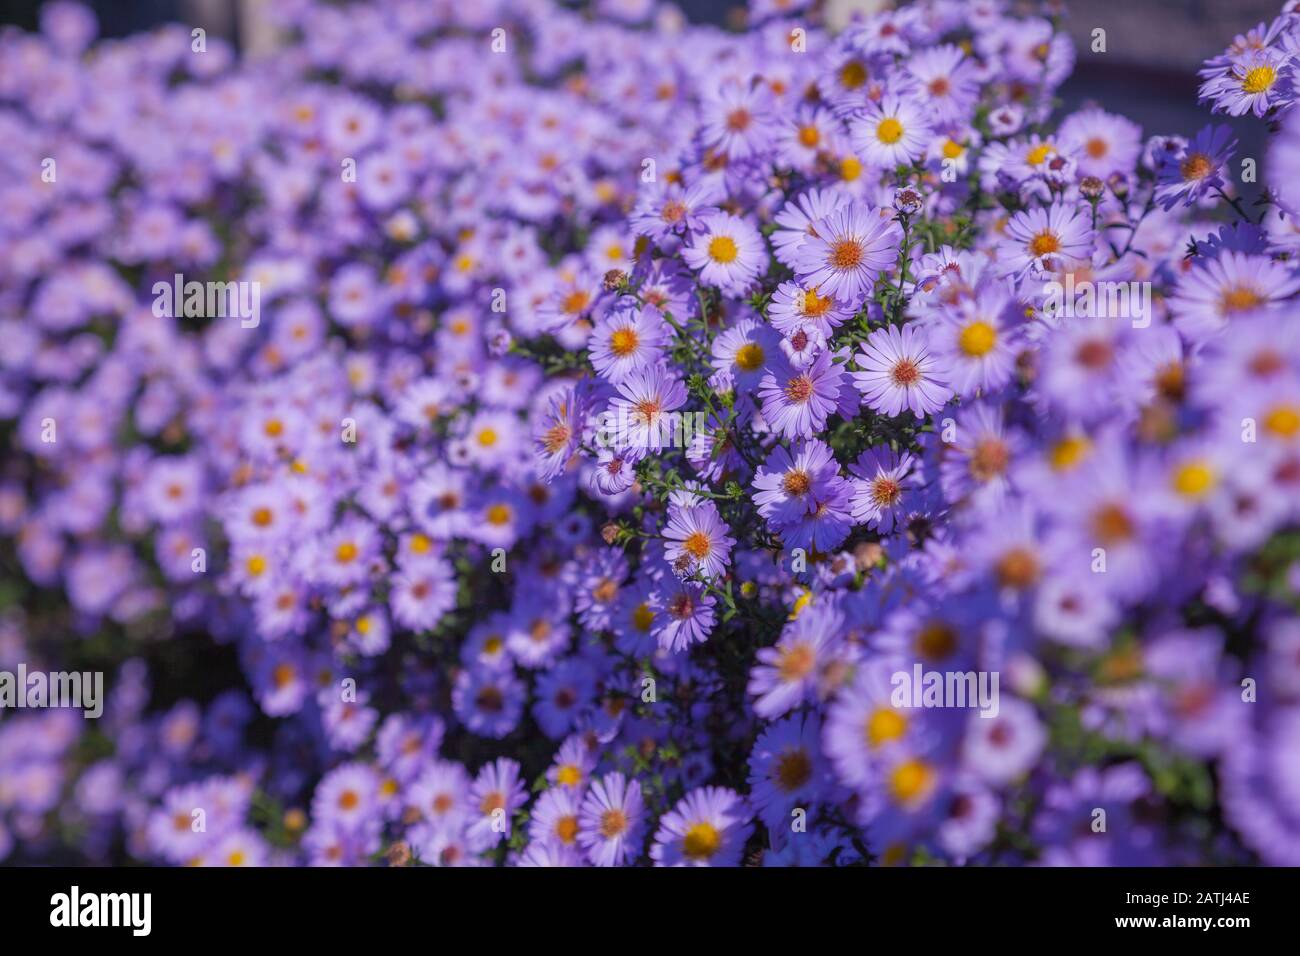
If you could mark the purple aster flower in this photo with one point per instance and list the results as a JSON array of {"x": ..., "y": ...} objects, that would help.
[
  {"x": 797, "y": 401},
  {"x": 611, "y": 821},
  {"x": 698, "y": 540},
  {"x": 707, "y": 827},
  {"x": 847, "y": 250},
  {"x": 899, "y": 372}
]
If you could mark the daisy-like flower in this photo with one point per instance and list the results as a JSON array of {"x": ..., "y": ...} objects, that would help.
[
  {"x": 974, "y": 339},
  {"x": 803, "y": 138},
  {"x": 846, "y": 252},
  {"x": 737, "y": 121},
  {"x": 666, "y": 208},
  {"x": 741, "y": 353},
  {"x": 683, "y": 615},
  {"x": 786, "y": 674},
  {"x": 900, "y": 372},
  {"x": 797, "y": 401},
  {"x": 1254, "y": 82},
  {"x": 1187, "y": 177},
  {"x": 786, "y": 769},
  {"x": 697, "y": 539},
  {"x": 883, "y": 487},
  {"x": 728, "y": 252},
  {"x": 611, "y": 822},
  {"x": 788, "y": 484},
  {"x": 627, "y": 339},
  {"x": 1208, "y": 298},
  {"x": 890, "y": 133},
  {"x": 794, "y": 305},
  {"x": 556, "y": 435},
  {"x": 1037, "y": 239},
  {"x": 1102, "y": 142},
  {"x": 707, "y": 827},
  {"x": 943, "y": 82},
  {"x": 647, "y": 397},
  {"x": 797, "y": 218},
  {"x": 488, "y": 700}
]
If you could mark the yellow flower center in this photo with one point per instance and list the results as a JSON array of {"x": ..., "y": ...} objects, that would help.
[
  {"x": 885, "y": 725},
  {"x": 346, "y": 552},
  {"x": 1238, "y": 299},
  {"x": 977, "y": 339},
  {"x": 701, "y": 842},
  {"x": 1283, "y": 421},
  {"x": 846, "y": 254},
  {"x": 910, "y": 780},
  {"x": 623, "y": 342},
  {"x": 1039, "y": 153},
  {"x": 1068, "y": 452},
  {"x": 952, "y": 149},
  {"x": 723, "y": 249},
  {"x": 1259, "y": 79},
  {"x": 749, "y": 356},
  {"x": 815, "y": 305},
  {"x": 642, "y": 617},
  {"x": 698, "y": 545},
  {"x": 889, "y": 131},
  {"x": 1045, "y": 243},
  {"x": 1193, "y": 479},
  {"x": 498, "y": 514},
  {"x": 809, "y": 136}
]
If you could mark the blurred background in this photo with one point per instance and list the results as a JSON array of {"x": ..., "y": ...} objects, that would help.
[{"x": 1153, "y": 47}]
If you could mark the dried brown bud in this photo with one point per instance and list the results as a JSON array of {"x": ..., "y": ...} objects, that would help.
[
  {"x": 609, "y": 532},
  {"x": 615, "y": 279},
  {"x": 399, "y": 854},
  {"x": 1091, "y": 187}
]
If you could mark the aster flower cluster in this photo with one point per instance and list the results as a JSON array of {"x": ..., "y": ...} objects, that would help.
[{"x": 632, "y": 405}]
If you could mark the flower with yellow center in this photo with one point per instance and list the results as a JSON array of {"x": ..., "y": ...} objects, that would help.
[
  {"x": 749, "y": 357},
  {"x": 884, "y": 726},
  {"x": 1044, "y": 244},
  {"x": 701, "y": 841},
  {"x": 723, "y": 249},
  {"x": 642, "y": 617},
  {"x": 977, "y": 339},
  {"x": 1194, "y": 479},
  {"x": 1258, "y": 80},
  {"x": 1039, "y": 154},
  {"x": 911, "y": 781},
  {"x": 1283, "y": 421},
  {"x": 624, "y": 341},
  {"x": 889, "y": 131}
]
